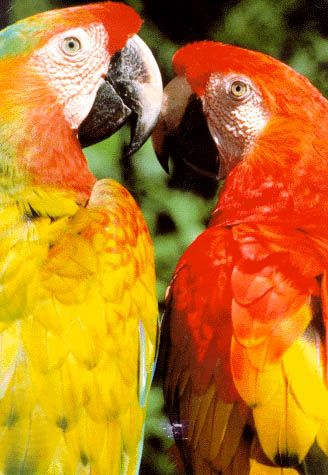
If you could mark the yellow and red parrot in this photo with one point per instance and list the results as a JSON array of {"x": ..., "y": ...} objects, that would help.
[
  {"x": 244, "y": 343},
  {"x": 78, "y": 311}
]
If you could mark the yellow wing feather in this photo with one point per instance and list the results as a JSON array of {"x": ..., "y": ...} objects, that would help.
[{"x": 74, "y": 290}]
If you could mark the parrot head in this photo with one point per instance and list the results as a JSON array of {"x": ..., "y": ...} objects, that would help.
[
  {"x": 246, "y": 100},
  {"x": 71, "y": 78}
]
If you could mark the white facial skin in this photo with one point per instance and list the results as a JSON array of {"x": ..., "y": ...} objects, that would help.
[
  {"x": 235, "y": 114},
  {"x": 74, "y": 63}
]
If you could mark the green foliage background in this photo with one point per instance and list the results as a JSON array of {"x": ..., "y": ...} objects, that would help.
[{"x": 294, "y": 31}]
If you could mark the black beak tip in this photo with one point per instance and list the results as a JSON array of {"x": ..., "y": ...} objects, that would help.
[
  {"x": 136, "y": 142},
  {"x": 163, "y": 159},
  {"x": 129, "y": 149}
]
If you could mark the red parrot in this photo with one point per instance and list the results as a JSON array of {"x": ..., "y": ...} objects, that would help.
[
  {"x": 78, "y": 307},
  {"x": 244, "y": 345}
]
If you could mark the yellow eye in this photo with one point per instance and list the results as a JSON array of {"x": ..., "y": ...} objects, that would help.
[
  {"x": 71, "y": 45},
  {"x": 238, "y": 89}
]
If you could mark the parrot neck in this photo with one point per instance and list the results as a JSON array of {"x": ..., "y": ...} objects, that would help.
[
  {"x": 43, "y": 149},
  {"x": 283, "y": 180}
]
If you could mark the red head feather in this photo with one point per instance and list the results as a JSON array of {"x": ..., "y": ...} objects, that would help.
[
  {"x": 197, "y": 61},
  {"x": 120, "y": 21},
  {"x": 288, "y": 159}
]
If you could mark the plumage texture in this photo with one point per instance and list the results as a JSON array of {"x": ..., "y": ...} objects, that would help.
[
  {"x": 244, "y": 347},
  {"x": 78, "y": 310}
]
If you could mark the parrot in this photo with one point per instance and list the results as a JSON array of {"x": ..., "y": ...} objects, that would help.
[
  {"x": 78, "y": 305},
  {"x": 244, "y": 347}
]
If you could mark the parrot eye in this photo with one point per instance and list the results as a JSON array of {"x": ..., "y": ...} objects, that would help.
[
  {"x": 71, "y": 46},
  {"x": 239, "y": 90}
]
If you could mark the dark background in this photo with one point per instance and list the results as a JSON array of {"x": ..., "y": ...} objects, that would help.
[{"x": 295, "y": 31}]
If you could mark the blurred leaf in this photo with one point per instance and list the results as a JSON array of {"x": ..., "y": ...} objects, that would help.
[
  {"x": 21, "y": 9},
  {"x": 104, "y": 158},
  {"x": 255, "y": 24}
]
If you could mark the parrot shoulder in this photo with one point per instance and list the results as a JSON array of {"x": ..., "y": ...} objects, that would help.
[
  {"x": 89, "y": 334},
  {"x": 230, "y": 355},
  {"x": 199, "y": 390},
  {"x": 104, "y": 262}
]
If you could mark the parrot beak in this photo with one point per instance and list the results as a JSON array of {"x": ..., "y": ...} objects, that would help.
[
  {"x": 131, "y": 92},
  {"x": 182, "y": 132}
]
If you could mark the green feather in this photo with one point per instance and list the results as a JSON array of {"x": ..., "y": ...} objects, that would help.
[{"x": 19, "y": 39}]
